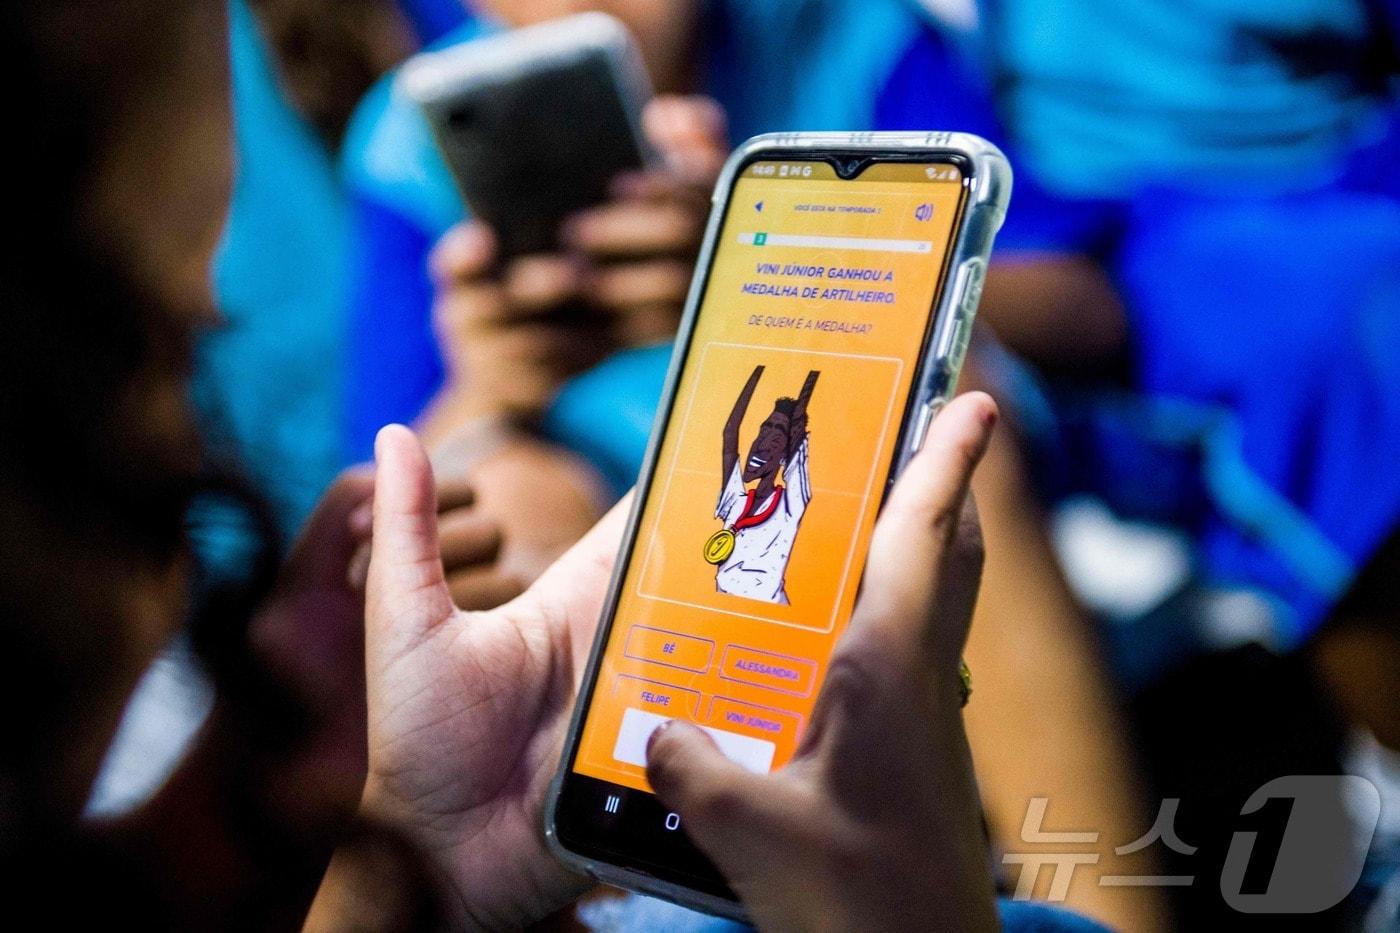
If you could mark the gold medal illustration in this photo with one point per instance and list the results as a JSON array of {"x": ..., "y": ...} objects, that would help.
[
  {"x": 721, "y": 543},
  {"x": 719, "y": 546}
]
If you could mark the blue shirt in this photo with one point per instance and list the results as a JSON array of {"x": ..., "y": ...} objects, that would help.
[
  {"x": 270, "y": 378},
  {"x": 1108, "y": 96},
  {"x": 1245, "y": 164},
  {"x": 634, "y": 912}
]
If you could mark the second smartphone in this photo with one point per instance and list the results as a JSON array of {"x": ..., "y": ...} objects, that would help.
[{"x": 536, "y": 123}]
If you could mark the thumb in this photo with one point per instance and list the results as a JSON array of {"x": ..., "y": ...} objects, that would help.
[
  {"x": 715, "y": 798},
  {"x": 926, "y": 524},
  {"x": 690, "y": 132},
  {"x": 406, "y": 588}
]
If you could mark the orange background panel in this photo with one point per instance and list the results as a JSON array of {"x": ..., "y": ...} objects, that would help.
[{"x": 866, "y": 365}]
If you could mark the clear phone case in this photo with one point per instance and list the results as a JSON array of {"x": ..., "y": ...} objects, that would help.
[{"x": 989, "y": 191}]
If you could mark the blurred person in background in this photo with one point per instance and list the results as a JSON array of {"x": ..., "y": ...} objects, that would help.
[
  {"x": 271, "y": 375},
  {"x": 126, "y": 124},
  {"x": 491, "y": 362},
  {"x": 1237, "y": 170},
  {"x": 267, "y": 375}
]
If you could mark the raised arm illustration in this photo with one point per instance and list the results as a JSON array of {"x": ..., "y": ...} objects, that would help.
[
  {"x": 797, "y": 424},
  {"x": 731, "y": 427}
]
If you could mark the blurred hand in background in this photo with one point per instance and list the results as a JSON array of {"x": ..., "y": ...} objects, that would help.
[{"x": 512, "y": 333}]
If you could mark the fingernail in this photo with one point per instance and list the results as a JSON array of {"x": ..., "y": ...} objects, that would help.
[
  {"x": 471, "y": 235},
  {"x": 656, "y": 734},
  {"x": 362, "y": 518},
  {"x": 474, "y": 244},
  {"x": 379, "y": 441},
  {"x": 357, "y": 572}
]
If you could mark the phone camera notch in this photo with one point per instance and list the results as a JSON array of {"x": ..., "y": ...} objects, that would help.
[{"x": 850, "y": 166}]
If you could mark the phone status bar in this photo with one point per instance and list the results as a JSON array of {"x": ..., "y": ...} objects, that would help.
[{"x": 820, "y": 170}]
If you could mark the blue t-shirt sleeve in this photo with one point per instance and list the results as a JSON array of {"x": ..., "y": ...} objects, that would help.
[
  {"x": 606, "y": 414},
  {"x": 1030, "y": 917},
  {"x": 403, "y": 199},
  {"x": 393, "y": 366}
]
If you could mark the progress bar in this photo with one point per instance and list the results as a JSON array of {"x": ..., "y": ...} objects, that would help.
[{"x": 869, "y": 244}]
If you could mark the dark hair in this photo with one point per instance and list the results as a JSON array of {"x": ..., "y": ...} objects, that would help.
[
  {"x": 785, "y": 406},
  {"x": 81, "y": 504},
  {"x": 96, "y": 486},
  {"x": 329, "y": 53}
]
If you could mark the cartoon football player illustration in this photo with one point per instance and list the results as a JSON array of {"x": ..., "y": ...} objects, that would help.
[{"x": 761, "y": 521}]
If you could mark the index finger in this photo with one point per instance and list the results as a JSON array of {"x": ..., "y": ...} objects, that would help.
[
  {"x": 633, "y": 229},
  {"x": 691, "y": 133}
]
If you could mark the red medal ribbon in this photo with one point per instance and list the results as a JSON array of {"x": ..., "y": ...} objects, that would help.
[{"x": 747, "y": 519}]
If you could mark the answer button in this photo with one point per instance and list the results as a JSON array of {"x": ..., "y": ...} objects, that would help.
[
  {"x": 672, "y": 649},
  {"x": 777, "y": 725},
  {"x": 665, "y": 699},
  {"x": 766, "y": 669}
]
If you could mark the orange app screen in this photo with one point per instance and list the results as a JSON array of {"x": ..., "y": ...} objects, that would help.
[{"x": 791, "y": 399}]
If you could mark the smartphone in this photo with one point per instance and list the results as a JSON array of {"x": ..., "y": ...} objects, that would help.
[
  {"x": 536, "y": 123},
  {"x": 826, "y": 324}
]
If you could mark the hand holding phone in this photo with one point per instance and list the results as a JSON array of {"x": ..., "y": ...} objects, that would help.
[
  {"x": 874, "y": 824},
  {"x": 536, "y": 123},
  {"x": 641, "y": 244},
  {"x": 513, "y": 330},
  {"x": 835, "y": 297},
  {"x": 466, "y": 710},
  {"x": 874, "y": 821}
]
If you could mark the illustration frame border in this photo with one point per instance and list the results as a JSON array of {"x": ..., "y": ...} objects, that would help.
[{"x": 865, "y": 497}]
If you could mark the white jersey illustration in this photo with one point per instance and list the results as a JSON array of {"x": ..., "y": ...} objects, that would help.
[{"x": 757, "y": 567}]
